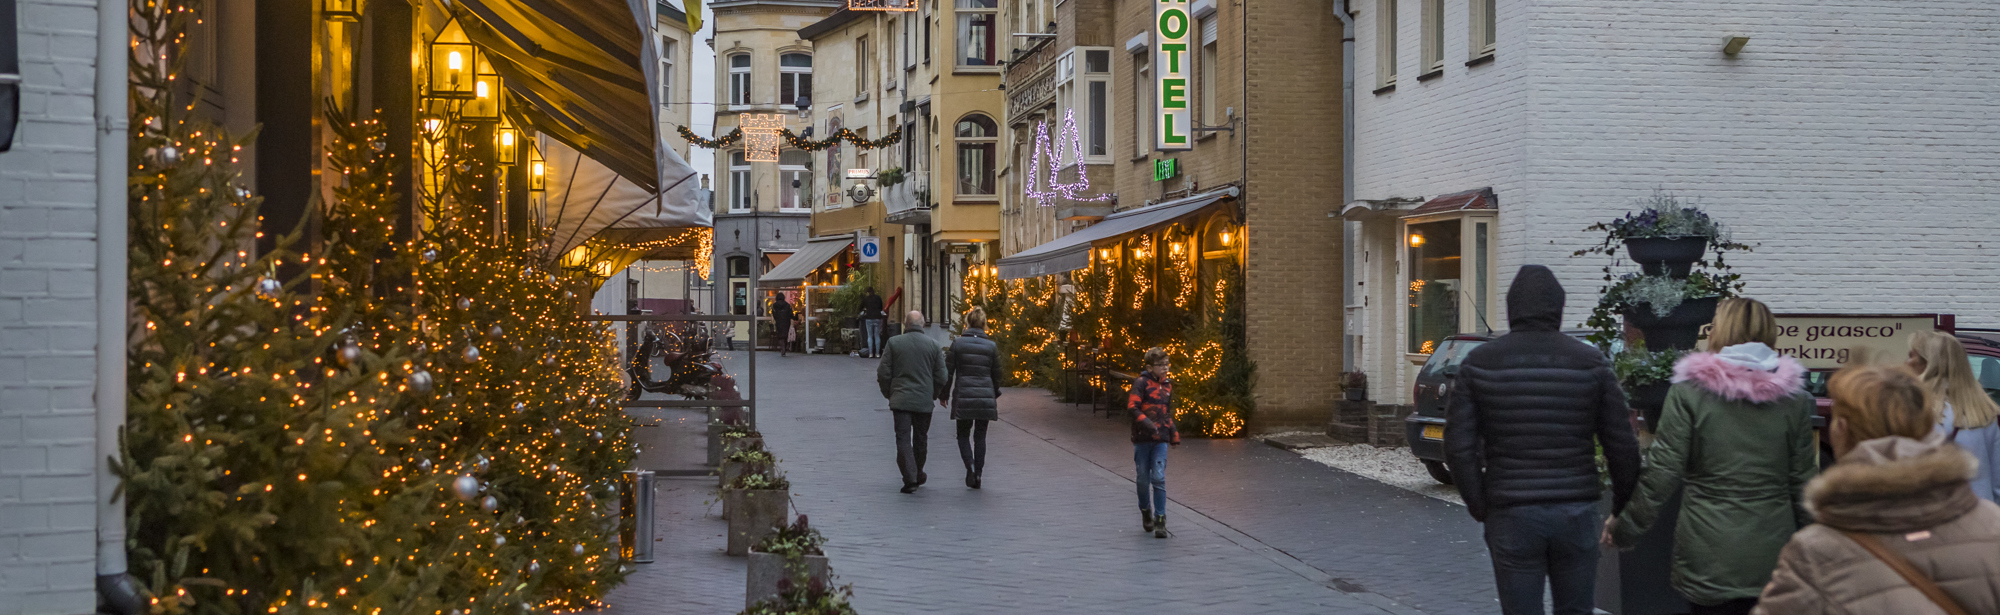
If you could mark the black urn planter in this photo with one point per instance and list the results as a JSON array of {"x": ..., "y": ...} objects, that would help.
[
  {"x": 1679, "y": 330},
  {"x": 1356, "y": 394},
  {"x": 1670, "y": 256},
  {"x": 1649, "y": 399}
]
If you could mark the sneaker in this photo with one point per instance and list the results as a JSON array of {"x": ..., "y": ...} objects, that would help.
[
  {"x": 1146, "y": 519},
  {"x": 909, "y": 488},
  {"x": 922, "y": 477},
  {"x": 1160, "y": 527}
]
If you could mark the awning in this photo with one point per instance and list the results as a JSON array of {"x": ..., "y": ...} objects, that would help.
[
  {"x": 1071, "y": 252},
  {"x": 802, "y": 263},
  {"x": 582, "y": 71},
  {"x": 965, "y": 236}
]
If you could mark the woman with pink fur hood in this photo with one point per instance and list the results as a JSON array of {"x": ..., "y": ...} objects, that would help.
[{"x": 1736, "y": 436}]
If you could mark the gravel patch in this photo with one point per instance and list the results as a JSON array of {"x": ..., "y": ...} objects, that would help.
[{"x": 1394, "y": 466}]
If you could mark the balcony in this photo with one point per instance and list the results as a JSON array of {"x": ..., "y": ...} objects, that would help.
[{"x": 906, "y": 203}]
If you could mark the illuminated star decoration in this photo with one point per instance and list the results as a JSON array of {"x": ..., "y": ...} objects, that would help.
[
  {"x": 1052, "y": 150},
  {"x": 899, "y": 6},
  {"x": 760, "y": 136}
]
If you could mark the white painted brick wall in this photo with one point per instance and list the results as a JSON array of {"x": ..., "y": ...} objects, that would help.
[
  {"x": 47, "y": 318},
  {"x": 1855, "y": 144}
]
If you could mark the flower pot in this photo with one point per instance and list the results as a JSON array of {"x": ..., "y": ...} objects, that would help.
[
  {"x": 728, "y": 471},
  {"x": 1356, "y": 394},
  {"x": 752, "y": 514},
  {"x": 1679, "y": 330},
  {"x": 766, "y": 569},
  {"x": 1649, "y": 399},
  {"x": 715, "y": 444},
  {"x": 1669, "y": 256}
]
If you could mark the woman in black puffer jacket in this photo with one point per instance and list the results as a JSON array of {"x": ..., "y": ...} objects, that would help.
[{"x": 974, "y": 362}]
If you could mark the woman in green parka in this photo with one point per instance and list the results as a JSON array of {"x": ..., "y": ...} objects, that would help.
[{"x": 1736, "y": 436}]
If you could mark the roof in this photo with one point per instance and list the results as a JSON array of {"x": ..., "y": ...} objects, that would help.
[
  {"x": 793, "y": 271},
  {"x": 820, "y": 28},
  {"x": 1071, "y": 252},
  {"x": 672, "y": 13},
  {"x": 1471, "y": 199}
]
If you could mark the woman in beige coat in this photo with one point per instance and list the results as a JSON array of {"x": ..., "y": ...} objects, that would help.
[{"x": 1902, "y": 486}]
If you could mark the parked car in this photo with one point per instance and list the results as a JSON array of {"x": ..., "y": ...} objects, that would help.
[{"x": 1425, "y": 425}]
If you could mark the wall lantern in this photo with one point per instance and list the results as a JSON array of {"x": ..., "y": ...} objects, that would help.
[
  {"x": 452, "y": 69},
  {"x": 538, "y": 172},
  {"x": 1416, "y": 241},
  {"x": 507, "y": 143},
  {"x": 485, "y": 103},
  {"x": 341, "y": 10},
  {"x": 1225, "y": 238}
]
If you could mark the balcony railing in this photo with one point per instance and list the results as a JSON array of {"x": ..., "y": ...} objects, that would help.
[{"x": 904, "y": 203}]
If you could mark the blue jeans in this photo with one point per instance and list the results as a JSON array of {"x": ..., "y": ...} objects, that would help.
[
  {"x": 1545, "y": 543},
  {"x": 871, "y": 335},
  {"x": 1151, "y": 475}
]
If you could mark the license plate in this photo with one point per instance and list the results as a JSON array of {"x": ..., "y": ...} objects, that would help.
[{"x": 1433, "y": 432}]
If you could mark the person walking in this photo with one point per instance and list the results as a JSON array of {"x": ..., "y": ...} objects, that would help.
[
  {"x": 1899, "y": 530},
  {"x": 1736, "y": 438},
  {"x": 912, "y": 376},
  {"x": 1967, "y": 414},
  {"x": 782, "y": 316},
  {"x": 871, "y": 323},
  {"x": 1525, "y": 418},
  {"x": 974, "y": 364},
  {"x": 1152, "y": 404}
]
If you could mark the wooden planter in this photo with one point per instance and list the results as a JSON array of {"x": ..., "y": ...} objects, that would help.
[
  {"x": 766, "y": 569},
  {"x": 752, "y": 513}
]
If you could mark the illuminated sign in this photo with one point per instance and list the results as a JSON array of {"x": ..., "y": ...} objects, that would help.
[{"x": 1173, "y": 30}]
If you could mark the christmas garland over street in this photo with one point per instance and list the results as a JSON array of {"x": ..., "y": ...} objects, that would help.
[{"x": 797, "y": 142}]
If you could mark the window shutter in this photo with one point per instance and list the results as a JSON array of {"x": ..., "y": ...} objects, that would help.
[{"x": 1208, "y": 29}]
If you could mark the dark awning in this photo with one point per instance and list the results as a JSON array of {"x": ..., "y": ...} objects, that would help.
[
  {"x": 793, "y": 271},
  {"x": 577, "y": 70},
  {"x": 1071, "y": 252}
]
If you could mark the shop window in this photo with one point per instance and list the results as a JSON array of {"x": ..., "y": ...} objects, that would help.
[
  {"x": 795, "y": 78},
  {"x": 978, "y": 139},
  {"x": 978, "y": 38},
  {"x": 739, "y": 79},
  {"x": 1450, "y": 279}
]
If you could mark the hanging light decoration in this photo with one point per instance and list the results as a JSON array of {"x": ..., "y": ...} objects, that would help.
[
  {"x": 892, "y": 6},
  {"x": 760, "y": 136}
]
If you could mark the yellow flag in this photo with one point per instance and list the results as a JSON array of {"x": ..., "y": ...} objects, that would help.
[{"x": 693, "y": 14}]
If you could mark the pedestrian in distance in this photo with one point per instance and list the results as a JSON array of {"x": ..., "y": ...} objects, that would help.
[
  {"x": 1899, "y": 529},
  {"x": 871, "y": 323},
  {"x": 974, "y": 364},
  {"x": 1152, "y": 404},
  {"x": 782, "y": 316},
  {"x": 1736, "y": 439},
  {"x": 913, "y": 379},
  {"x": 1525, "y": 418},
  {"x": 1967, "y": 414}
]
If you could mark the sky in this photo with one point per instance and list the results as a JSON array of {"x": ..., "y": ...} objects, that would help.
[{"x": 702, "y": 91}]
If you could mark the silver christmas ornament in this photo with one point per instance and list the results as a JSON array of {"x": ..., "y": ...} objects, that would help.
[
  {"x": 471, "y": 354},
  {"x": 430, "y": 255},
  {"x": 170, "y": 154},
  {"x": 552, "y": 278},
  {"x": 548, "y": 359},
  {"x": 495, "y": 332},
  {"x": 424, "y": 465},
  {"x": 567, "y": 296},
  {"x": 349, "y": 353},
  {"x": 534, "y": 567},
  {"x": 519, "y": 406},
  {"x": 499, "y": 541},
  {"x": 490, "y": 504},
  {"x": 378, "y": 145},
  {"x": 269, "y": 288},
  {"x": 578, "y": 549},
  {"x": 463, "y": 167},
  {"x": 558, "y": 431},
  {"x": 465, "y": 487},
  {"x": 242, "y": 193},
  {"x": 597, "y": 435},
  {"x": 465, "y": 303},
  {"x": 419, "y": 381},
  {"x": 481, "y": 463},
  {"x": 554, "y": 468}
]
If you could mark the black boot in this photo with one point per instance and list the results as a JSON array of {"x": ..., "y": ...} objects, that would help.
[
  {"x": 1160, "y": 526},
  {"x": 1146, "y": 519}
]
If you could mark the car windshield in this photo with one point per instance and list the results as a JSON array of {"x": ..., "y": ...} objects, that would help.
[
  {"x": 1816, "y": 382},
  {"x": 1449, "y": 356}
]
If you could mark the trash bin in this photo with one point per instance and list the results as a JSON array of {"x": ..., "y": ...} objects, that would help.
[{"x": 635, "y": 506}]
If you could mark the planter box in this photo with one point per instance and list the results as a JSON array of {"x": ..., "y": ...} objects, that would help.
[
  {"x": 715, "y": 444},
  {"x": 1649, "y": 400},
  {"x": 1680, "y": 329},
  {"x": 1670, "y": 256},
  {"x": 1635, "y": 582},
  {"x": 766, "y": 569},
  {"x": 752, "y": 513}
]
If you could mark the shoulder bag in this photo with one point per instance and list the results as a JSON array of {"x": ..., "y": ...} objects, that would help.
[{"x": 1909, "y": 573}]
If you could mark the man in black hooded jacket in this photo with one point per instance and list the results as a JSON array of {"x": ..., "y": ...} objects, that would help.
[{"x": 1525, "y": 417}]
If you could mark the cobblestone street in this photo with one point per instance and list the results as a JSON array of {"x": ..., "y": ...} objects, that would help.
[{"x": 1257, "y": 529}]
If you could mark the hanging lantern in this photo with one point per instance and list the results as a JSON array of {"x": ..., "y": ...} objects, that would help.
[
  {"x": 341, "y": 10},
  {"x": 485, "y": 103},
  {"x": 452, "y": 65},
  {"x": 538, "y": 172},
  {"x": 507, "y": 142}
]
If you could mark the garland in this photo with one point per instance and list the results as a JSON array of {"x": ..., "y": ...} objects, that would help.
[{"x": 797, "y": 142}]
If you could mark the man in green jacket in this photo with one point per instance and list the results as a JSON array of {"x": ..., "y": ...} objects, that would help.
[{"x": 913, "y": 377}]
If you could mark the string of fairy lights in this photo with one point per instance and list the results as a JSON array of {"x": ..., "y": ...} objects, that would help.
[{"x": 839, "y": 136}]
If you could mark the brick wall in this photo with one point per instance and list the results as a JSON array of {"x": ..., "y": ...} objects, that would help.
[
  {"x": 47, "y": 318},
  {"x": 1293, "y": 127}
]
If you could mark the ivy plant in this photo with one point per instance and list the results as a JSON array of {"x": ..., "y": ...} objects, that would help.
[{"x": 1637, "y": 366}]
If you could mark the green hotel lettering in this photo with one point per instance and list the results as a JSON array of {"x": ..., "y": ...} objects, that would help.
[{"x": 1173, "y": 90}]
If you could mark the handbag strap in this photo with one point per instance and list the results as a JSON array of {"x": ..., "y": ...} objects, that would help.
[{"x": 1909, "y": 573}]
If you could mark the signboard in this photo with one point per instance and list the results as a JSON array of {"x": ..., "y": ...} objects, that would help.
[
  {"x": 1166, "y": 168},
  {"x": 1172, "y": 65},
  {"x": 1833, "y": 341},
  {"x": 861, "y": 174},
  {"x": 960, "y": 248},
  {"x": 870, "y": 249}
]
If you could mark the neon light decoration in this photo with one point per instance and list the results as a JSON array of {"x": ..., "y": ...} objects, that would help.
[{"x": 1052, "y": 150}]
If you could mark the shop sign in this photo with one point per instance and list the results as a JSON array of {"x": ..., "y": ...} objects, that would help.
[
  {"x": 1166, "y": 168},
  {"x": 1173, "y": 31},
  {"x": 960, "y": 248},
  {"x": 1836, "y": 341}
]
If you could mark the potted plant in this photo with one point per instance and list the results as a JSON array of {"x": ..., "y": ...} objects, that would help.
[
  {"x": 722, "y": 434},
  {"x": 889, "y": 177},
  {"x": 1668, "y": 312},
  {"x": 790, "y": 552},
  {"x": 754, "y": 503},
  {"x": 1646, "y": 375},
  {"x": 1665, "y": 236},
  {"x": 1355, "y": 385},
  {"x": 810, "y": 598}
]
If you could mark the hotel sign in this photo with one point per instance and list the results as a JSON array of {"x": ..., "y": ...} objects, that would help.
[{"x": 1173, "y": 31}]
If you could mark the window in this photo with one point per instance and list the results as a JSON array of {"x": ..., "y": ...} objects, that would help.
[
  {"x": 666, "y": 72},
  {"x": 927, "y": 36},
  {"x": 1433, "y": 36},
  {"x": 1205, "y": 70},
  {"x": 795, "y": 78},
  {"x": 739, "y": 285},
  {"x": 1088, "y": 94},
  {"x": 1484, "y": 28},
  {"x": 861, "y": 155},
  {"x": 740, "y": 192},
  {"x": 1142, "y": 110},
  {"x": 794, "y": 180},
  {"x": 889, "y": 52},
  {"x": 1385, "y": 44},
  {"x": 739, "y": 79},
  {"x": 1450, "y": 269},
  {"x": 977, "y": 139},
  {"x": 978, "y": 34},
  {"x": 861, "y": 67}
]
